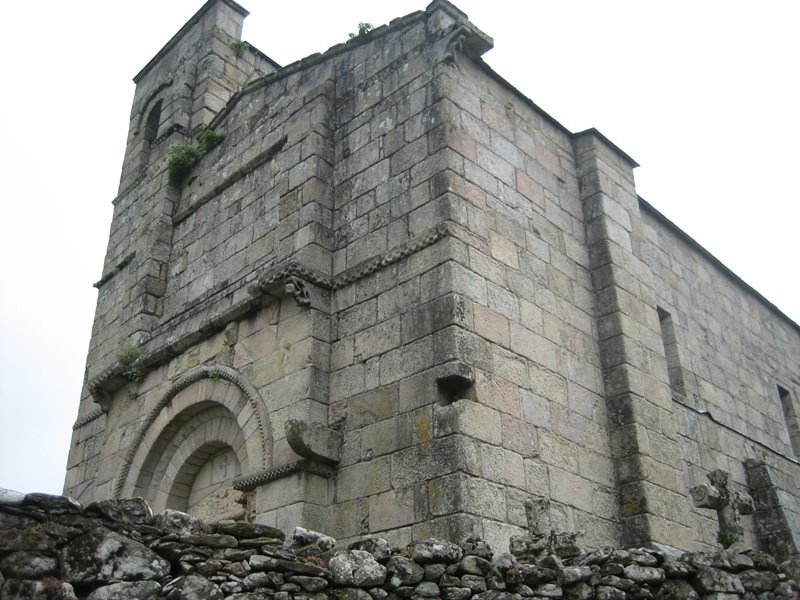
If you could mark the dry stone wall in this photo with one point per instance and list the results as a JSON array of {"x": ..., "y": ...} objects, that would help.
[{"x": 53, "y": 548}]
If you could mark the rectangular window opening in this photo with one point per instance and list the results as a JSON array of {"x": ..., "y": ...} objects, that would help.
[{"x": 791, "y": 418}]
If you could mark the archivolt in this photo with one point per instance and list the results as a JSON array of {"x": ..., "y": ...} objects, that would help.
[{"x": 221, "y": 380}]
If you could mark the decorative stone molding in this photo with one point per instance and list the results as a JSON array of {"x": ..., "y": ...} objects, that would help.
[
  {"x": 251, "y": 482},
  {"x": 198, "y": 374},
  {"x": 315, "y": 441},
  {"x": 88, "y": 417},
  {"x": 396, "y": 254},
  {"x": 468, "y": 40}
]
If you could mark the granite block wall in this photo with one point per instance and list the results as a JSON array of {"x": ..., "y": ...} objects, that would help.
[{"x": 397, "y": 298}]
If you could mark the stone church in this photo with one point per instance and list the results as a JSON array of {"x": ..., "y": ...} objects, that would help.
[{"x": 379, "y": 291}]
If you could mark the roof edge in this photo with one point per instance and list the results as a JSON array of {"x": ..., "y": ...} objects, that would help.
[
  {"x": 649, "y": 208},
  {"x": 173, "y": 41},
  {"x": 596, "y": 133}
]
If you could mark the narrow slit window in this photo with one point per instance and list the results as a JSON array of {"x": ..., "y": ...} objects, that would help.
[
  {"x": 790, "y": 416},
  {"x": 674, "y": 371},
  {"x": 152, "y": 123}
]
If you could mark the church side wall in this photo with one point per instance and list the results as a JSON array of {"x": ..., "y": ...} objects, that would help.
[{"x": 733, "y": 355}]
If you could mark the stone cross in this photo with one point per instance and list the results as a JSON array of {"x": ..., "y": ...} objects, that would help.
[{"x": 729, "y": 505}]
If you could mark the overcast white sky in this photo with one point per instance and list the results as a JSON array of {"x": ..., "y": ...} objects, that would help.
[{"x": 703, "y": 94}]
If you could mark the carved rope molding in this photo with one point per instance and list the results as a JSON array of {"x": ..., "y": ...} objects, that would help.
[
  {"x": 197, "y": 374},
  {"x": 396, "y": 254},
  {"x": 251, "y": 482},
  {"x": 88, "y": 417}
]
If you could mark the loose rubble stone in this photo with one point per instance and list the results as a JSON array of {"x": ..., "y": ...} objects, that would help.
[
  {"x": 434, "y": 550},
  {"x": 10, "y": 497},
  {"x": 127, "y": 590},
  {"x": 403, "y": 571},
  {"x": 180, "y": 522},
  {"x": 641, "y": 574},
  {"x": 242, "y": 530},
  {"x": 378, "y": 547},
  {"x": 52, "y": 503},
  {"x": 709, "y": 579},
  {"x": 48, "y": 588},
  {"x": 60, "y": 551},
  {"x": 28, "y": 565},
  {"x": 302, "y": 539},
  {"x": 474, "y": 565},
  {"x": 356, "y": 568},
  {"x": 104, "y": 555},
  {"x": 426, "y": 589},
  {"x": 193, "y": 587},
  {"x": 677, "y": 589},
  {"x": 571, "y": 575},
  {"x": 475, "y": 546},
  {"x": 127, "y": 510}
]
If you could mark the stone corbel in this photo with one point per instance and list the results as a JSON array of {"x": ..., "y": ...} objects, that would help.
[
  {"x": 467, "y": 40},
  {"x": 314, "y": 441},
  {"x": 294, "y": 286},
  {"x": 283, "y": 284}
]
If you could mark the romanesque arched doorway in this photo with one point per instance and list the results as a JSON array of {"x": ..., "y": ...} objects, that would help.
[{"x": 208, "y": 428}]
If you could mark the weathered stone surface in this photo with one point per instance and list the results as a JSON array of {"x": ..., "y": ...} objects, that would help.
[
  {"x": 609, "y": 593},
  {"x": 534, "y": 575},
  {"x": 356, "y": 568},
  {"x": 127, "y": 510},
  {"x": 180, "y": 522},
  {"x": 303, "y": 539},
  {"x": 309, "y": 584},
  {"x": 11, "y": 497},
  {"x": 48, "y": 588},
  {"x": 762, "y": 560},
  {"x": 709, "y": 579},
  {"x": 426, "y": 589},
  {"x": 210, "y": 540},
  {"x": 430, "y": 282},
  {"x": 269, "y": 563},
  {"x": 572, "y": 575},
  {"x": 403, "y": 571},
  {"x": 378, "y": 547},
  {"x": 101, "y": 564},
  {"x": 435, "y": 550},
  {"x": 475, "y": 546},
  {"x": 579, "y": 591},
  {"x": 474, "y": 565},
  {"x": 192, "y": 587},
  {"x": 641, "y": 574},
  {"x": 757, "y": 582},
  {"x": 676, "y": 589},
  {"x": 28, "y": 565},
  {"x": 503, "y": 562},
  {"x": 244, "y": 530},
  {"x": 127, "y": 590},
  {"x": 51, "y": 502},
  {"x": 456, "y": 593},
  {"x": 103, "y": 555}
]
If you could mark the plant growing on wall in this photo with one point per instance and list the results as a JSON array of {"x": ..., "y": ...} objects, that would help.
[
  {"x": 363, "y": 29},
  {"x": 128, "y": 359},
  {"x": 183, "y": 157},
  {"x": 239, "y": 48}
]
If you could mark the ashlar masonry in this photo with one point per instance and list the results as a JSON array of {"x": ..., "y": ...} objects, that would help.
[{"x": 382, "y": 292}]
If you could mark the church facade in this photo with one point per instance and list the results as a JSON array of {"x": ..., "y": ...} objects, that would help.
[{"x": 380, "y": 292}]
